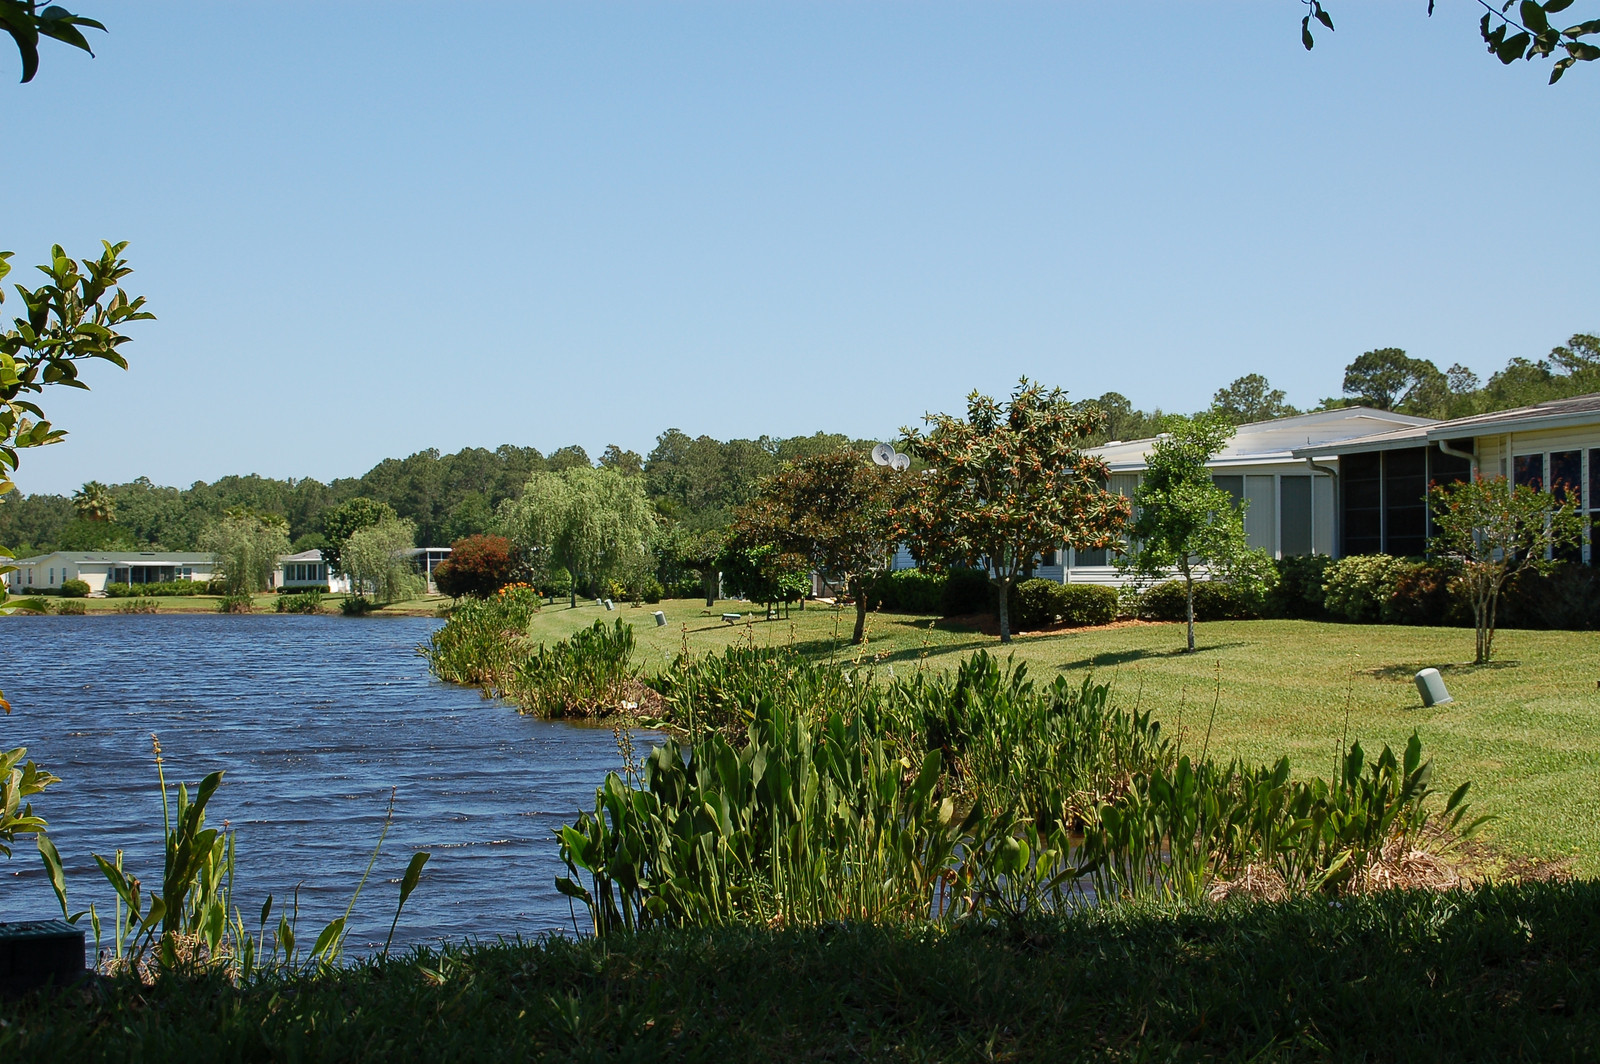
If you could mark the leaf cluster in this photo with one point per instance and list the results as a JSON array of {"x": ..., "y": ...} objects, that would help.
[{"x": 26, "y": 22}]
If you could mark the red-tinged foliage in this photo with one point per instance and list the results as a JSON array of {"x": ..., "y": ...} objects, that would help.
[{"x": 478, "y": 566}]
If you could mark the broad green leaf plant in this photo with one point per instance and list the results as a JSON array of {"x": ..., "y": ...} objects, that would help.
[{"x": 26, "y": 21}]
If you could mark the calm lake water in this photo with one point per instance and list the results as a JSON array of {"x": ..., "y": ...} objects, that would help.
[{"x": 314, "y": 720}]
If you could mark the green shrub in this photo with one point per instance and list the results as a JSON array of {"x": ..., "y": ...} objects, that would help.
[
  {"x": 1567, "y": 598},
  {"x": 236, "y": 603},
  {"x": 161, "y": 590},
  {"x": 1214, "y": 600},
  {"x": 69, "y": 608},
  {"x": 301, "y": 602},
  {"x": 966, "y": 591},
  {"x": 1356, "y": 588},
  {"x": 585, "y": 675},
  {"x": 74, "y": 589},
  {"x": 686, "y": 587},
  {"x": 652, "y": 591},
  {"x": 910, "y": 591},
  {"x": 1298, "y": 594},
  {"x": 1085, "y": 605},
  {"x": 1036, "y": 604},
  {"x": 138, "y": 605},
  {"x": 1422, "y": 593},
  {"x": 559, "y": 583},
  {"x": 356, "y": 605}
]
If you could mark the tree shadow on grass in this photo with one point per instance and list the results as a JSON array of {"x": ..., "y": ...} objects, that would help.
[
  {"x": 1407, "y": 671},
  {"x": 1123, "y": 657}
]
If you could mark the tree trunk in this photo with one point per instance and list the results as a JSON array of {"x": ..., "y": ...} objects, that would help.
[
  {"x": 1188, "y": 584},
  {"x": 1005, "y": 609},
  {"x": 708, "y": 584},
  {"x": 856, "y": 589}
]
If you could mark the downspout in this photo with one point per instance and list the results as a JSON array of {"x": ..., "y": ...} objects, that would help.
[
  {"x": 1333, "y": 478},
  {"x": 1471, "y": 456}
]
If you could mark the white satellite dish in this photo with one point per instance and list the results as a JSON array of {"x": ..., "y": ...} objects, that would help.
[
  {"x": 883, "y": 454},
  {"x": 901, "y": 462}
]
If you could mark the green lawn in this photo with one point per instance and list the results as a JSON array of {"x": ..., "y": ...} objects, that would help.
[{"x": 1525, "y": 729}]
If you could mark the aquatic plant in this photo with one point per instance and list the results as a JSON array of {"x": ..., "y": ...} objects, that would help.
[
  {"x": 301, "y": 602},
  {"x": 587, "y": 674}
]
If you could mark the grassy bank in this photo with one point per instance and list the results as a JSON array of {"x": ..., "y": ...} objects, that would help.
[
  {"x": 1525, "y": 729},
  {"x": 1507, "y": 973}
]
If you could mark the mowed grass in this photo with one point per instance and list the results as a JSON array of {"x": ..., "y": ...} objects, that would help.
[{"x": 1524, "y": 729}]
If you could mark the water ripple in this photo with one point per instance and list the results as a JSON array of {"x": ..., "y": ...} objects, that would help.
[{"x": 313, "y": 719}]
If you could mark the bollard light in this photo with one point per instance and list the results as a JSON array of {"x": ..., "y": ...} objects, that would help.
[
  {"x": 1431, "y": 686},
  {"x": 661, "y": 619}
]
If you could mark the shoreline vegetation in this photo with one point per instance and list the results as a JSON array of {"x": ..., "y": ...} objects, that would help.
[{"x": 263, "y": 603}]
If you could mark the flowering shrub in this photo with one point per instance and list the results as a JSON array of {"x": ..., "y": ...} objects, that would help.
[{"x": 477, "y": 566}]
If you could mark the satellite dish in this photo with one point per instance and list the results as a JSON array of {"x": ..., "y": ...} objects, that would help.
[
  {"x": 901, "y": 462},
  {"x": 883, "y": 454}
]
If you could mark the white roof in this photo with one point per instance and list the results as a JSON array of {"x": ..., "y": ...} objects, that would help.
[{"x": 1277, "y": 441}]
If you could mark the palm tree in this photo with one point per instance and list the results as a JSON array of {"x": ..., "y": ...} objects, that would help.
[{"x": 94, "y": 502}]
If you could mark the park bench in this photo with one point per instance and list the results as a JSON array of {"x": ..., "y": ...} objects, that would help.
[{"x": 731, "y": 618}]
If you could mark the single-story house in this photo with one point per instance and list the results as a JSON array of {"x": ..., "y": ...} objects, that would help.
[
  {"x": 100, "y": 568},
  {"x": 307, "y": 571},
  {"x": 427, "y": 559},
  {"x": 1293, "y": 502},
  {"x": 1383, "y": 482}
]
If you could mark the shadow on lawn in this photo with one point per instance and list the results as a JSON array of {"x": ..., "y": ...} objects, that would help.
[
  {"x": 1407, "y": 671},
  {"x": 1123, "y": 657}
]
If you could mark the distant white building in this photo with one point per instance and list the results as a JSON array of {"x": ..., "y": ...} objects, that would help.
[
  {"x": 307, "y": 571},
  {"x": 47, "y": 572}
]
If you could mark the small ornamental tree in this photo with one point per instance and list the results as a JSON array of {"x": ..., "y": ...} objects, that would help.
[
  {"x": 1185, "y": 522},
  {"x": 833, "y": 510},
  {"x": 478, "y": 566},
  {"x": 763, "y": 573},
  {"x": 1007, "y": 483},
  {"x": 1495, "y": 531},
  {"x": 697, "y": 550}
]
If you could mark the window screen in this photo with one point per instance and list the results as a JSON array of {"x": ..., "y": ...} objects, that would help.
[
  {"x": 1527, "y": 470},
  {"x": 1362, "y": 490},
  {"x": 1405, "y": 501},
  {"x": 1295, "y": 518},
  {"x": 1090, "y": 557},
  {"x": 1232, "y": 485},
  {"x": 1566, "y": 475}
]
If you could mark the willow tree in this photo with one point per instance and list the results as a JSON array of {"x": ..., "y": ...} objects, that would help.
[
  {"x": 1007, "y": 483},
  {"x": 247, "y": 547},
  {"x": 377, "y": 558},
  {"x": 594, "y": 523},
  {"x": 834, "y": 511}
]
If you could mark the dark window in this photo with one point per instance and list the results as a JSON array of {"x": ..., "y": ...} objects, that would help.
[
  {"x": 1090, "y": 557},
  {"x": 1566, "y": 475},
  {"x": 1362, "y": 503},
  {"x": 1049, "y": 558},
  {"x": 1527, "y": 470},
  {"x": 1232, "y": 485},
  {"x": 1295, "y": 516}
]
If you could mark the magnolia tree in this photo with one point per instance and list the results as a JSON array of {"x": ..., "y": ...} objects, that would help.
[
  {"x": 1007, "y": 483},
  {"x": 1186, "y": 524},
  {"x": 1495, "y": 531},
  {"x": 594, "y": 523},
  {"x": 834, "y": 511}
]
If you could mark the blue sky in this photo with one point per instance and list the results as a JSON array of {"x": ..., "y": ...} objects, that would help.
[{"x": 367, "y": 229}]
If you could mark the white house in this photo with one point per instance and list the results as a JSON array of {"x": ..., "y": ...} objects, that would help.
[
  {"x": 100, "y": 568},
  {"x": 307, "y": 571}
]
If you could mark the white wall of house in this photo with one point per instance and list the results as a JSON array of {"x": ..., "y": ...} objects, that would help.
[{"x": 48, "y": 572}]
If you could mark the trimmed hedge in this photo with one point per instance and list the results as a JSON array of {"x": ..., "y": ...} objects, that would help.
[
  {"x": 1213, "y": 601},
  {"x": 74, "y": 589},
  {"x": 910, "y": 591},
  {"x": 1040, "y": 603},
  {"x": 167, "y": 589},
  {"x": 967, "y": 591}
]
